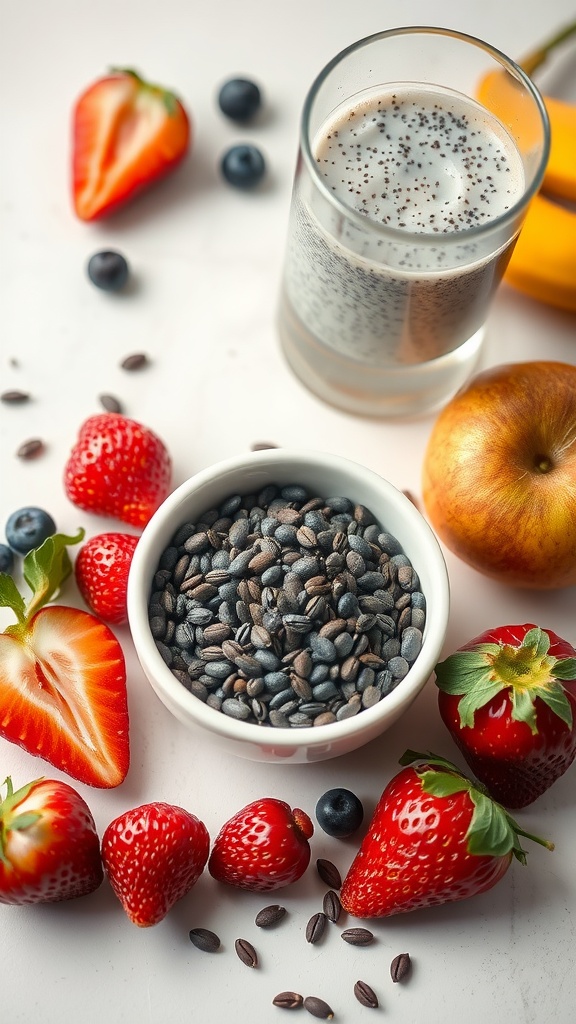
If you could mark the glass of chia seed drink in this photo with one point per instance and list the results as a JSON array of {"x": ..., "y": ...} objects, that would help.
[{"x": 408, "y": 198}]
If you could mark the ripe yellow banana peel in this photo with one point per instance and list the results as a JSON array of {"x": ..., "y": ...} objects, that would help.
[{"x": 543, "y": 263}]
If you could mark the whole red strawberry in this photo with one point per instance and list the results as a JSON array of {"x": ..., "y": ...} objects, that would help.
[
  {"x": 62, "y": 675},
  {"x": 101, "y": 568},
  {"x": 49, "y": 847},
  {"x": 508, "y": 698},
  {"x": 435, "y": 837},
  {"x": 153, "y": 855},
  {"x": 262, "y": 847},
  {"x": 118, "y": 468}
]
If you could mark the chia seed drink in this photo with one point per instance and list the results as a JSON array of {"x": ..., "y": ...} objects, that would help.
[{"x": 408, "y": 199}]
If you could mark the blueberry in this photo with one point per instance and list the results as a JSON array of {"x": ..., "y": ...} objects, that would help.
[
  {"x": 28, "y": 528},
  {"x": 239, "y": 99},
  {"x": 108, "y": 270},
  {"x": 6, "y": 559},
  {"x": 339, "y": 813},
  {"x": 243, "y": 166}
]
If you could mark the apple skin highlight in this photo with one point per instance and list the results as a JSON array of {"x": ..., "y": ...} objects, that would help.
[{"x": 499, "y": 474}]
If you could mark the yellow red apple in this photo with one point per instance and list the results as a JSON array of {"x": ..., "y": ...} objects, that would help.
[{"x": 499, "y": 474}]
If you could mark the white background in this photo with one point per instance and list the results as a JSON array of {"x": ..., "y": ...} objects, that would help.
[{"x": 206, "y": 261}]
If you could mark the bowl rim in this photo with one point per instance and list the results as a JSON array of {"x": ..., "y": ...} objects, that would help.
[{"x": 145, "y": 561}]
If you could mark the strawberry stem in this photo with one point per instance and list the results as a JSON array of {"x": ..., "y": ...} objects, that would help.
[
  {"x": 167, "y": 97},
  {"x": 529, "y": 835}
]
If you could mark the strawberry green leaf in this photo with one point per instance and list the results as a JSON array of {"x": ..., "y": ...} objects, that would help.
[
  {"x": 555, "y": 697},
  {"x": 470, "y": 674},
  {"x": 164, "y": 95},
  {"x": 441, "y": 783},
  {"x": 492, "y": 831},
  {"x": 10, "y": 821},
  {"x": 409, "y": 756},
  {"x": 22, "y": 821},
  {"x": 524, "y": 671},
  {"x": 47, "y": 567},
  {"x": 11, "y": 598},
  {"x": 537, "y": 639},
  {"x": 461, "y": 670},
  {"x": 479, "y": 694},
  {"x": 565, "y": 669},
  {"x": 523, "y": 709}
]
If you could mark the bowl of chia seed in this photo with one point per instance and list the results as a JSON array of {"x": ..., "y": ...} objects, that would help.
[{"x": 292, "y": 604}]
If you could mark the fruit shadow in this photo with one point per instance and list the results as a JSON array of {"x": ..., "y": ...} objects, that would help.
[
  {"x": 198, "y": 174},
  {"x": 510, "y": 908}
]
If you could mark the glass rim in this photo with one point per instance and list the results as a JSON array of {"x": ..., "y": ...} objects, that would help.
[{"x": 402, "y": 235}]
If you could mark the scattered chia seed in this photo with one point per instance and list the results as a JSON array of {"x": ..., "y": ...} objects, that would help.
[
  {"x": 400, "y": 967},
  {"x": 318, "y": 1008},
  {"x": 287, "y": 610},
  {"x": 137, "y": 361},
  {"x": 246, "y": 952},
  {"x": 31, "y": 449},
  {"x": 288, "y": 1000},
  {"x": 329, "y": 873},
  {"x": 204, "y": 939},
  {"x": 110, "y": 404},
  {"x": 14, "y": 397},
  {"x": 270, "y": 916},
  {"x": 357, "y": 936},
  {"x": 366, "y": 995},
  {"x": 316, "y": 927},
  {"x": 331, "y": 906}
]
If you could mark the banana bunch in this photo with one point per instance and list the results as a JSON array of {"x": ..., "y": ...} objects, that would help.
[{"x": 543, "y": 263}]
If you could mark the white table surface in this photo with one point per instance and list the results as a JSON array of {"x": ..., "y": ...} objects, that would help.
[{"x": 207, "y": 261}]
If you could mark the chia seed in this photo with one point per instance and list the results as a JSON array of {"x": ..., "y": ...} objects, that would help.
[{"x": 287, "y": 610}]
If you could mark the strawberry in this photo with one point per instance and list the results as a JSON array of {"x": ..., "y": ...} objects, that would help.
[
  {"x": 118, "y": 468},
  {"x": 262, "y": 847},
  {"x": 127, "y": 134},
  {"x": 62, "y": 675},
  {"x": 508, "y": 698},
  {"x": 49, "y": 847},
  {"x": 101, "y": 570},
  {"x": 153, "y": 855},
  {"x": 435, "y": 837}
]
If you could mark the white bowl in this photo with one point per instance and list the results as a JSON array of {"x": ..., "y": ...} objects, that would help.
[{"x": 326, "y": 476}]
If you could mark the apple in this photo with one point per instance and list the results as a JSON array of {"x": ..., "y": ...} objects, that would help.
[{"x": 499, "y": 474}]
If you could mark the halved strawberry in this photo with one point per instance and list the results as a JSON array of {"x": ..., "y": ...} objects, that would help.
[
  {"x": 127, "y": 134},
  {"x": 62, "y": 676}
]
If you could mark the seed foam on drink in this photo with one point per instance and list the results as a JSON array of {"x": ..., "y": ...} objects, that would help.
[{"x": 421, "y": 160}]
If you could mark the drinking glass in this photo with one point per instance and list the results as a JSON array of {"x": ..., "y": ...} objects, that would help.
[{"x": 409, "y": 195}]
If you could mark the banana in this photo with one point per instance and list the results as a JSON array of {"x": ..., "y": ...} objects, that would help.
[
  {"x": 543, "y": 263},
  {"x": 560, "y": 173}
]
